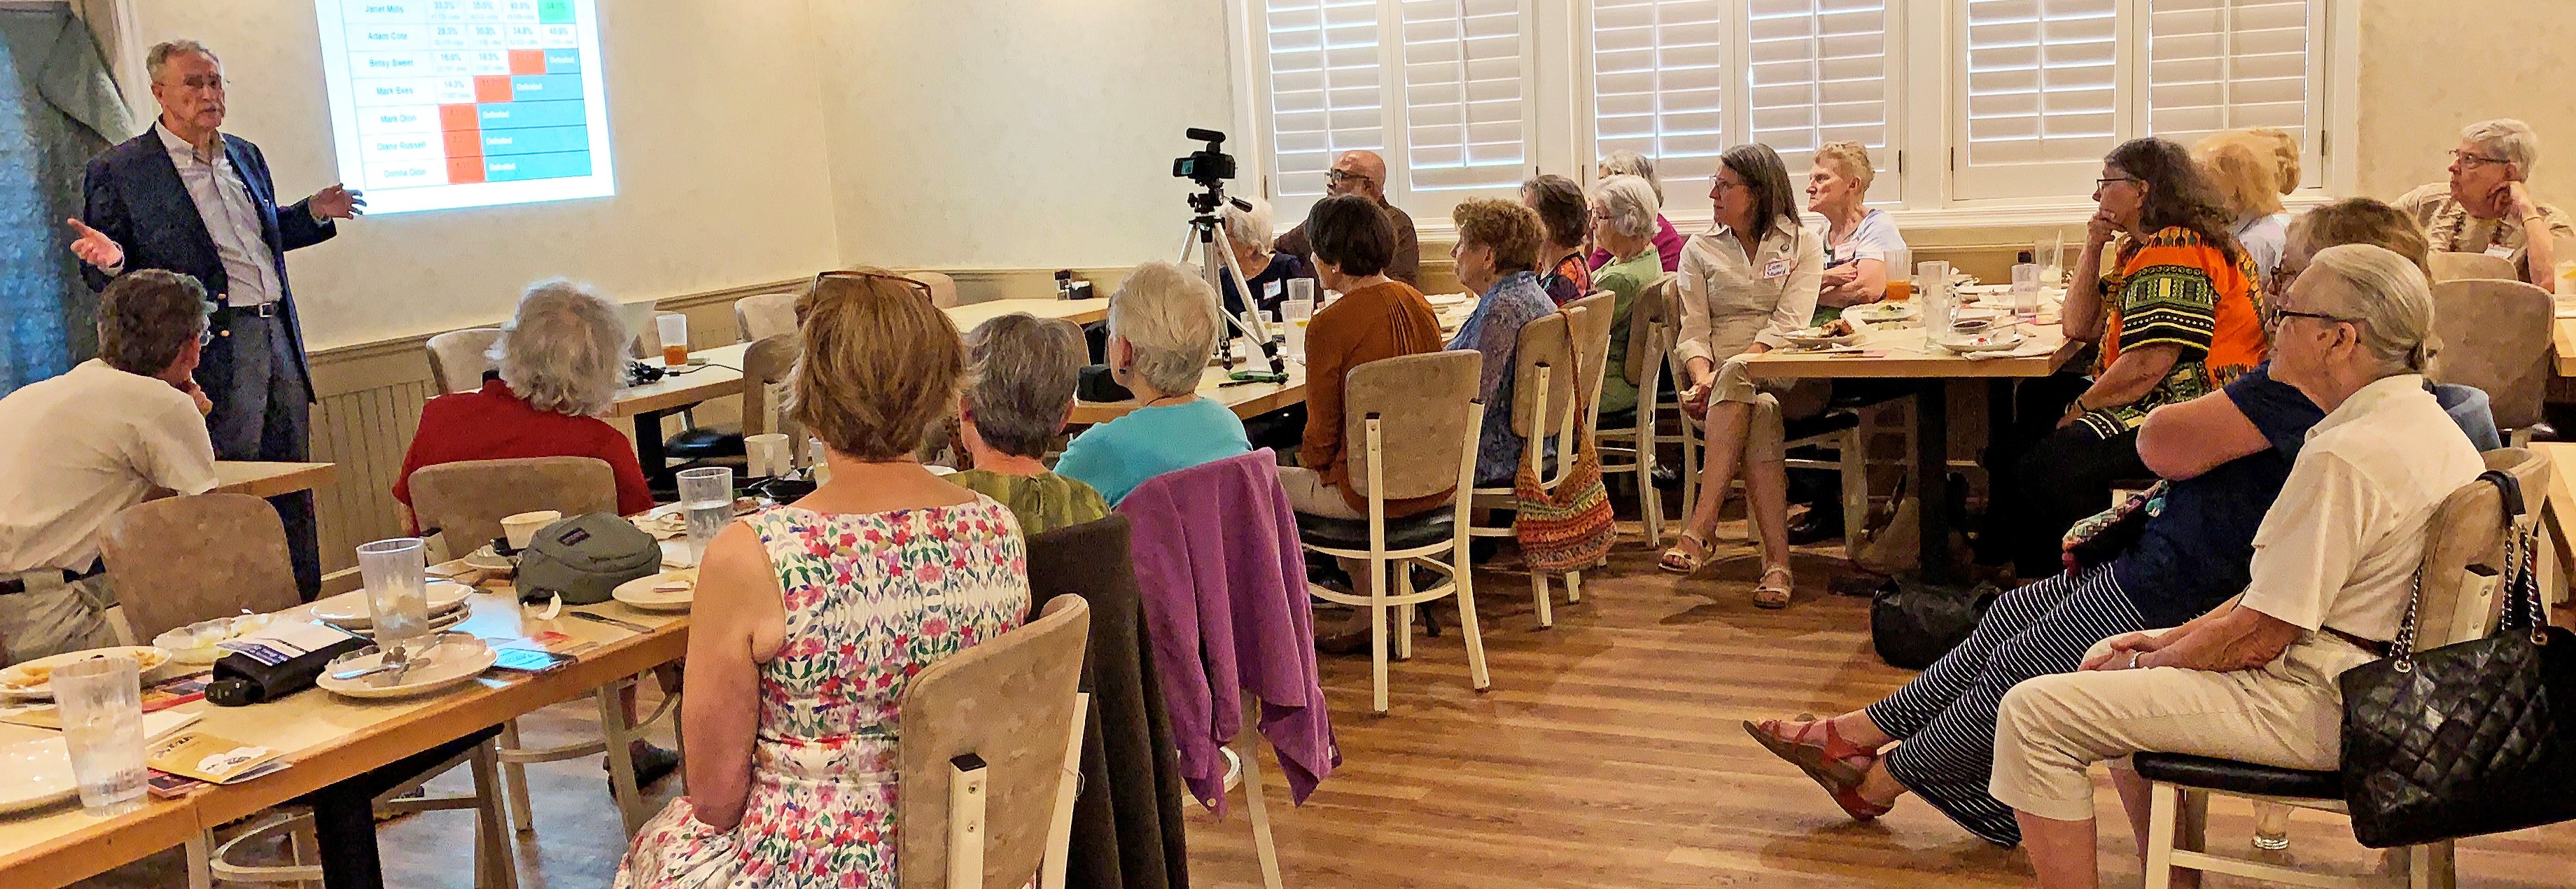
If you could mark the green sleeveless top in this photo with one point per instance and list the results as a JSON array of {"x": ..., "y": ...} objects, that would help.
[{"x": 1043, "y": 502}]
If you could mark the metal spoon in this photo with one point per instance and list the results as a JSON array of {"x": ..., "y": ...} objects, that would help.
[{"x": 396, "y": 658}]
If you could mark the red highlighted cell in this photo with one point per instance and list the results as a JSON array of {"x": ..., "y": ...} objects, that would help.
[
  {"x": 527, "y": 61},
  {"x": 462, "y": 143},
  {"x": 459, "y": 117},
  {"x": 464, "y": 170},
  {"x": 492, "y": 88}
]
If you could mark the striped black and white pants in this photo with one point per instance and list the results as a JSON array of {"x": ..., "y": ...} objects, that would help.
[{"x": 1946, "y": 716}]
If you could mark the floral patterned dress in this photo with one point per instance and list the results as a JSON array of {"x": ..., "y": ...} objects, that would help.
[{"x": 871, "y": 598}]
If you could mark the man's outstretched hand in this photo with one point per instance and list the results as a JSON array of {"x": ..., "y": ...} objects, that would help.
[
  {"x": 337, "y": 202},
  {"x": 95, "y": 247}
]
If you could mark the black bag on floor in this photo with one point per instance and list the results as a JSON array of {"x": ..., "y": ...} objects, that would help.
[{"x": 1912, "y": 623}]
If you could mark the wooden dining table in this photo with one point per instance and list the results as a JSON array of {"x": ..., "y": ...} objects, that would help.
[
  {"x": 269, "y": 479},
  {"x": 2562, "y": 339},
  {"x": 330, "y": 739},
  {"x": 1904, "y": 353}
]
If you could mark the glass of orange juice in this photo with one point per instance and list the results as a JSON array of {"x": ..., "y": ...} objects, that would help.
[{"x": 674, "y": 328}]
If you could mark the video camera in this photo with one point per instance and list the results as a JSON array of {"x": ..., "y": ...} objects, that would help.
[{"x": 1209, "y": 167}]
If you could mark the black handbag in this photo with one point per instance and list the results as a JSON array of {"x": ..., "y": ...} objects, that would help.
[
  {"x": 2471, "y": 738},
  {"x": 1913, "y": 624}
]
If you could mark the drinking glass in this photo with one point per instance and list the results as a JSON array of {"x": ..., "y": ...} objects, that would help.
[
  {"x": 1301, "y": 289},
  {"x": 1900, "y": 286},
  {"x": 706, "y": 497},
  {"x": 1933, "y": 279},
  {"x": 102, "y": 713},
  {"x": 1297, "y": 314},
  {"x": 397, "y": 591},
  {"x": 2025, "y": 291},
  {"x": 674, "y": 328},
  {"x": 2271, "y": 826}
]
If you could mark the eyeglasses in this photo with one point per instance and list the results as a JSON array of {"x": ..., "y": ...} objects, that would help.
[
  {"x": 1337, "y": 177},
  {"x": 202, "y": 82},
  {"x": 2466, "y": 159},
  {"x": 856, "y": 275},
  {"x": 1720, "y": 183},
  {"x": 2106, "y": 181},
  {"x": 2282, "y": 277},
  {"x": 2279, "y": 314},
  {"x": 205, "y": 336}
]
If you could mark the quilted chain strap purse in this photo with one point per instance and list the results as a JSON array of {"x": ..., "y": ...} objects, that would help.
[{"x": 2470, "y": 738}]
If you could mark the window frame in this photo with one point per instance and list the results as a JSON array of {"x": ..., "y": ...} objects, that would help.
[{"x": 1926, "y": 119}]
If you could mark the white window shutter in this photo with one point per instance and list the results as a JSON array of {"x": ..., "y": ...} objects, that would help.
[
  {"x": 2222, "y": 64},
  {"x": 2042, "y": 97},
  {"x": 1818, "y": 72},
  {"x": 1324, "y": 89},
  {"x": 1465, "y": 82},
  {"x": 1659, "y": 83}
]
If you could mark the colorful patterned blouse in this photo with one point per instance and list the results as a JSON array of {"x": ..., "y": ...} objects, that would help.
[
  {"x": 1569, "y": 280},
  {"x": 2173, "y": 288},
  {"x": 871, "y": 598}
]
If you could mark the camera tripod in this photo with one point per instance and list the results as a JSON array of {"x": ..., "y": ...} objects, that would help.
[{"x": 1210, "y": 167}]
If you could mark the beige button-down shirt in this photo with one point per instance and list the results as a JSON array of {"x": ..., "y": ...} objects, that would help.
[
  {"x": 2450, "y": 228},
  {"x": 1731, "y": 301},
  {"x": 2340, "y": 545},
  {"x": 225, "y": 204}
]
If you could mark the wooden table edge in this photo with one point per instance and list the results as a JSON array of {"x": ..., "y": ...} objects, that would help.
[
  {"x": 76, "y": 856},
  {"x": 305, "y": 477}
]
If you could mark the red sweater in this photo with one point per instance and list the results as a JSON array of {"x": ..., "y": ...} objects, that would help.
[{"x": 496, "y": 424}]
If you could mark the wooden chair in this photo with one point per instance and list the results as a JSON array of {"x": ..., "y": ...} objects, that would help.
[
  {"x": 467, "y": 500},
  {"x": 1628, "y": 448},
  {"x": 2453, "y": 266},
  {"x": 1542, "y": 409},
  {"x": 2462, "y": 557},
  {"x": 179, "y": 560},
  {"x": 2495, "y": 337},
  {"x": 765, "y": 367},
  {"x": 1433, "y": 398},
  {"x": 458, "y": 358},
  {"x": 943, "y": 289},
  {"x": 992, "y": 737},
  {"x": 765, "y": 315}
]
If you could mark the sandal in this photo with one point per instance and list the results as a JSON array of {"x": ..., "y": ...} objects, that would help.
[
  {"x": 1836, "y": 764},
  {"x": 1679, "y": 561},
  {"x": 1774, "y": 595}
]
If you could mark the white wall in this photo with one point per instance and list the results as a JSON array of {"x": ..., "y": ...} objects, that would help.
[
  {"x": 714, "y": 112},
  {"x": 985, "y": 134}
]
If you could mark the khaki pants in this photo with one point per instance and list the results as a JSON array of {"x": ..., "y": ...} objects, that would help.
[
  {"x": 52, "y": 617},
  {"x": 1764, "y": 440},
  {"x": 1309, "y": 495},
  {"x": 2288, "y": 714}
]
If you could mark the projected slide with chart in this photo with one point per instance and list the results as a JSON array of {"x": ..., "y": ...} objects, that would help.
[{"x": 440, "y": 104}]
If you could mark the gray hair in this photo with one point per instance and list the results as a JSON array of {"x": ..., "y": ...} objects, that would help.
[
  {"x": 1631, "y": 202},
  {"x": 1624, "y": 162},
  {"x": 1168, "y": 317},
  {"x": 2389, "y": 296},
  {"x": 565, "y": 351},
  {"x": 1249, "y": 227},
  {"x": 158, "y": 57},
  {"x": 1023, "y": 369},
  {"x": 2508, "y": 138}
]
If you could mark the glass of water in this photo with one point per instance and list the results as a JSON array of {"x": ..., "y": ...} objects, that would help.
[
  {"x": 397, "y": 592},
  {"x": 706, "y": 497},
  {"x": 1296, "y": 314},
  {"x": 2025, "y": 291},
  {"x": 102, "y": 712}
]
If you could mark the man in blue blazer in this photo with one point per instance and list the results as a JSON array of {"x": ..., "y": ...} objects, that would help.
[{"x": 186, "y": 197}]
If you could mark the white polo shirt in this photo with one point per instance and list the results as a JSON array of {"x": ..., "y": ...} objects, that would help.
[
  {"x": 2339, "y": 546},
  {"x": 83, "y": 446}
]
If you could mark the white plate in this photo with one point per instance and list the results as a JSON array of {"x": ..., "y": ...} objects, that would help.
[
  {"x": 182, "y": 643},
  {"x": 1822, "y": 342},
  {"x": 35, "y": 774},
  {"x": 354, "y": 613},
  {"x": 1990, "y": 342},
  {"x": 456, "y": 660},
  {"x": 1882, "y": 313},
  {"x": 147, "y": 659},
  {"x": 486, "y": 560},
  {"x": 436, "y": 623},
  {"x": 640, "y": 592},
  {"x": 1442, "y": 301}
]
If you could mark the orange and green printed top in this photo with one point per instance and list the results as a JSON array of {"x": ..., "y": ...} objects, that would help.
[{"x": 2174, "y": 288}]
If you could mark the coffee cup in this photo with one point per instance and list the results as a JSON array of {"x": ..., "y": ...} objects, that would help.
[{"x": 522, "y": 528}]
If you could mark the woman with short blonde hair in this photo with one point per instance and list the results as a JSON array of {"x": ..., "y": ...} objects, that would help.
[
  {"x": 1163, "y": 325},
  {"x": 812, "y": 617},
  {"x": 2245, "y": 167},
  {"x": 1859, "y": 241}
]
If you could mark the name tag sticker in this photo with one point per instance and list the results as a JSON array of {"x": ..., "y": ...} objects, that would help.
[
  {"x": 2499, "y": 251},
  {"x": 1775, "y": 268}
]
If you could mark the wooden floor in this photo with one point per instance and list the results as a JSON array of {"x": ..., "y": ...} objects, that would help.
[{"x": 1607, "y": 754}]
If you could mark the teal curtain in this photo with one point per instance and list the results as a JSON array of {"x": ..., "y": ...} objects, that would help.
[{"x": 58, "y": 108}]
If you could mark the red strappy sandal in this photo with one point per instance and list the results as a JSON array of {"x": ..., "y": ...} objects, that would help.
[{"x": 1835, "y": 763}]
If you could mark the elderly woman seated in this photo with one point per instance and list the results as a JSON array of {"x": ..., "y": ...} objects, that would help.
[
  {"x": 2225, "y": 456},
  {"x": 2333, "y": 569},
  {"x": 1623, "y": 222},
  {"x": 2487, "y": 206},
  {"x": 1162, "y": 328},
  {"x": 1668, "y": 240},
  {"x": 2252, "y": 169},
  {"x": 1859, "y": 241},
  {"x": 1497, "y": 256},
  {"x": 1376, "y": 318},
  {"x": 1023, "y": 369},
  {"x": 1561, "y": 210},
  {"x": 560, "y": 360},
  {"x": 1248, "y": 231}
]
